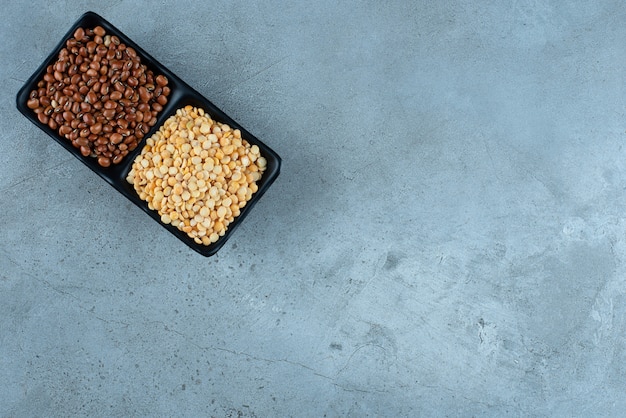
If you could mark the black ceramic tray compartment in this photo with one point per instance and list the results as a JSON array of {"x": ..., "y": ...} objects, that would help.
[{"x": 181, "y": 95}]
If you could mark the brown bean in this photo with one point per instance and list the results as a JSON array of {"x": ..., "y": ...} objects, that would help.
[
  {"x": 85, "y": 151},
  {"x": 32, "y": 103},
  {"x": 101, "y": 140},
  {"x": 68, "y": 116},
  {"x": 96, "y": 128},
  {"x": 115, "y": 64},
  {"x": 116, "y": 95},
  {"x": 43, "y": 118},
  {"x": 82, "y": 141},
  {"x": 129, "y": 140},
  {"x": 116, "y": 138},
  {"x": 88, "y": 119},
  {"x": 85, "y": 107},
  {"x": 125, "y": 102},
  {"x": 91, "y": 98},
  {"x": 161, "y": 80},
  {"x": 108, "y": 113},
  {"x": 118, "y": 158},
  {"x": 131, "y": 52},
  {"x": 157, "y": 107},
  {"x": 110, "y": 104},
  {"x": 91, "y": 47},
  {"x": 99, "y": 31},
  {"x": 101, "y": 50},
  {"x": 79, "y": 34},
  {"x": 65, "y": 130},
  {"x": 122, "y": 123},
  {"x": 162, "y": 100},
  {"x": 132, "y": 81},
  {"x": 128, "y": 93},
  {"x": 52, "y": 124},
  {"x": 144, "y": 94},
  {"x": 104, "y": 161}
]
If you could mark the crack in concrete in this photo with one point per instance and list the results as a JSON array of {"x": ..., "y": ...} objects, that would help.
[
  {"x": 64, "y": 293},
  {"x": 269, "y": 360},
  {"x": 36, "y": 175}
]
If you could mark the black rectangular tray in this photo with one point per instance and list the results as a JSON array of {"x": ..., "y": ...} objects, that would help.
[{"x": 181, "y": 95}]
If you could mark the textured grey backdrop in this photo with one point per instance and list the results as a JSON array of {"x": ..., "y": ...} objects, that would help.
[{"x": 447, "y": 236}]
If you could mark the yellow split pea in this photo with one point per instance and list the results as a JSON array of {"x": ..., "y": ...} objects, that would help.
[{"x": 197, "y": 174}]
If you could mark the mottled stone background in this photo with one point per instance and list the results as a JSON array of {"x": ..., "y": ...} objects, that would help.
[{"x": 447, "y": 235}]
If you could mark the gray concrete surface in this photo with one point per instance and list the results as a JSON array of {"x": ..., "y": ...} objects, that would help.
[{"x": 447, "y": 236}]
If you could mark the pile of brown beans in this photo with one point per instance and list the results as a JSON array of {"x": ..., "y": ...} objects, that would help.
[{"x": 99, "y": 96}]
